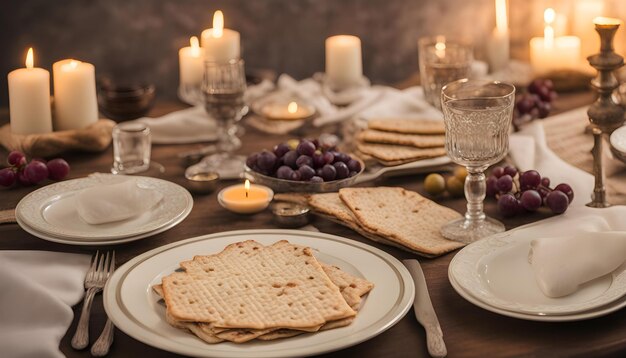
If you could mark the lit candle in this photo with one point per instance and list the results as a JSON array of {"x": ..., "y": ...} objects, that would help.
[
  {"x": 291, "y": 111},
  {"x": 551, "y": 53},
  {"x": 344, "y": 67},
  {"x": 245, "y": 198},
  {"x": 220, "y": 44},
  {"x": 440, "y": 48},
  {"x": 29, "y": 99},
  {"x": 75, "y": 101},
  {"x": 191, "y": 64},
  {"x": 498, "y": 46}
]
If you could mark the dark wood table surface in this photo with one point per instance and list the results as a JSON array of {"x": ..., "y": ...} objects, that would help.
[{"x": 468, "y": 330}]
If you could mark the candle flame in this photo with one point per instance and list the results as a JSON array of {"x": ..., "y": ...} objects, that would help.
[
  {"x": 601, "y": 20},
  {"x": 440, "y": 49},
  {"x": 246, "y": 185},
  {"x": 549, "y": 15},
  {"x": 292, "y": 107},
  {"x": 29, "y": 58},
  {"x": 195, "y": 46},
  {"x": 218, "y": 24},
  {"x": 70, "y": 66},
  {"x": 501, "y": 16}
]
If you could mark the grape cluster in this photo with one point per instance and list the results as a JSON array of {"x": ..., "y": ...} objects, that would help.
[
  {"x": 536, "y": 102},
  {"x": 519, "y": 192},
  {"x": 32, "y": 173},
  {"x": 304, "y": 160}
]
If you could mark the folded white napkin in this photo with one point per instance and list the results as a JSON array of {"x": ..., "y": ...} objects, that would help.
[
  {"x": 115, "y": 201},
  {"x": 39, "y": 289},
  {"x": 404, "y": 104},
  {"x": 189, "y": 125},
  {"x": 561, "y": 264}
]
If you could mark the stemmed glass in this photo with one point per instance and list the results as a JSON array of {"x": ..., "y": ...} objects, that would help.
[
  {"x": 223, "y": 87},
  {"x": 477, "y": 116}
]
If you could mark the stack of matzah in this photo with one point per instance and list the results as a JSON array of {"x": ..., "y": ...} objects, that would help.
[
  {"x": 399, "y": 141},
  {"x": 250, "y": 291},
  {"x": 393, "y": 216}
]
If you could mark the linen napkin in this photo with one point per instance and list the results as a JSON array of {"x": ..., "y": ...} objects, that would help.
[
  {"x": 190, "y": 125},
  {"x": 561, "y": 264},
  {"x": 39, "y": 290},
  {"x": 116, "y": 200}
]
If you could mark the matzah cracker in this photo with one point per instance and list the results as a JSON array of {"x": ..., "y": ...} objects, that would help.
[
  {"x": 399, "y": 153},
  {"x": 402, "y": 216},
  {"x": 413, "y": 140},
  {"x": 252, "y": 286},
  {"x": 409, "y": 126}
]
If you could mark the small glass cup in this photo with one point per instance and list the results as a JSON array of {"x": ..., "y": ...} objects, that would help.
[
  {"x": 131, "y": 148},
  {"x": 442, "y": 61},
  {"x": 477, "y": 116}
]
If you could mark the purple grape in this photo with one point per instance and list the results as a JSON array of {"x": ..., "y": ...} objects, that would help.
[
  {"x": 543, "y": 109},
  {"x": 567, "y": 190},
  {"x": 543, "y": 192},
  {"x": 491, "y": 186},
  {"x": 557, "y": 201},
  {"x": 281, "y": 149},
  {"x": 545, "y": 181},
  {"x": 22, "y": 178},
  {"x": 251, "y": 160},
  {"x": 318, "y": 160},
  {"x": 304, "y": 160},
  {"x": 318, "y": 172},
  {"x": 284, "y": 172},
  {"x": 316, "y": 179},
  {"x": 497, "y": 172},
  {"x": 329, "y": 173},
  {"x": 306, "y": 148},
  {"x": 7, "y": 177},
  {"x": 16, "y": 158},
  {"x": 341, "y": 157},
  {"x": 504, "y": 183},
  {"x": 529, "y": 180},
  {"x": 531, "y": 200},
  {"x": 316, "y": 143},
  {"x": 36, "y": 171},
  {"x": 306, "y": 172},
  {"x": 290, "y": 159},
  {"x": 329, "y": 157},
  {"x": 508, "y": 205},
  {"x": 510, "y": 170},
  {"x": 295, "y": 175},
  {"x": 57, "y": 169},
  {"x": 266, "y": 161},
  {"x": 342, "y": 170},
  {"x": 354, "y": 165}
]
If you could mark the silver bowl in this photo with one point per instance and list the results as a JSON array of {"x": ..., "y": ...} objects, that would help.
[{"x": 287, "y": 186}]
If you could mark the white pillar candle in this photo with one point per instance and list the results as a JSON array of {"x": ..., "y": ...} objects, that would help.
[
  {"x": 29, "y": 99},
  {"x": 498, "y": 45},
  {"x": 191, "y": 64},
  {"x": 220, "y": 44},
  {"x": 344, "y": 65},
  {"x": 551, "y": 53},
  {"x": 75, "y": 102}
]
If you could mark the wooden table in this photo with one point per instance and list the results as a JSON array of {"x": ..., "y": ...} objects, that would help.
[{"x": 468, "y": 330}]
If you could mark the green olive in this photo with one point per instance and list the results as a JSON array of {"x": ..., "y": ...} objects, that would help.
[
  {"x": 455, "y": 186},
  {"x": 434, "y": 184}
]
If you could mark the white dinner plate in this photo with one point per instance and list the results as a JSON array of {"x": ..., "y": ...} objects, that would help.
[
  {"x": 51, "y": 211},
  {"x": 496, "y": 272},
  {"x": 133, "y": 307}
]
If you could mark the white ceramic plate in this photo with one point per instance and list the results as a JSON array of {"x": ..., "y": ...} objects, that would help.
[
  {"x": 496, "y": 271},
  {"x": 51, "y": 211},
  {"x": 133, "y": 307}
]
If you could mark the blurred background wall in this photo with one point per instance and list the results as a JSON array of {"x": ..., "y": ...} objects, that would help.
[{"x": 138, "y": 40}]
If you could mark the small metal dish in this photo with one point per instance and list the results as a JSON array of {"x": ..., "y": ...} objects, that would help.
[
  {"x": 290, "y": 215},
  {"x": 201, "y": 182}
]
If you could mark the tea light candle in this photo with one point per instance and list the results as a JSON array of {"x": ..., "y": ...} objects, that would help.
[
  {"x": 75, "y": 101},
  {"x": 291, "y": 111},
  {"x": 550, "y": 53},
  {"x": 498, "y": 45},
  {"x": 220, "y": 44},
  {"x": 245, "y": 198},
  {"x": 29, "y": 99},
  {"x": 344, "y": 65},
  {"x": 191, "y": 64}
]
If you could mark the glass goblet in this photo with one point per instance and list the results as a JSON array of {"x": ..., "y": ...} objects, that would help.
[{"x": 477, "y": 116}]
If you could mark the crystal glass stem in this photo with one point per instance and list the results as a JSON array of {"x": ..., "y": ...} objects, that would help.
[{"x": 475, "y": 192}]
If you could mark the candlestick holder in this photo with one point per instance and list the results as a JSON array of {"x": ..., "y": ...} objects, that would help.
[{"x": 604, "y": 114}]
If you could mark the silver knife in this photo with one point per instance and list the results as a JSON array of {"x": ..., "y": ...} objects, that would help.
[{"x": 424, "y": 311}]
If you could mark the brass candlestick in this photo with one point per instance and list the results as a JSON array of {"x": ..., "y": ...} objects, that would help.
[{"x": 604, "y": 114}]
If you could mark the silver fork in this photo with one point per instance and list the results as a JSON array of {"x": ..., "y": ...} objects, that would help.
[
  {"x": 101, "y": 347},
  {"x": 94, "y": 282}
]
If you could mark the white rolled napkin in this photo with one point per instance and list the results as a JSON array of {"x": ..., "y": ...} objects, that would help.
[
  {"x": 116, "y": 201},
  {"x": 39, "y": 290},
  {"x": 561, "y": 264}
]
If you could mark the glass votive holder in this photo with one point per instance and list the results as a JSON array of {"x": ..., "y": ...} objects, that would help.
[
  {"x": 442, "y": 61},
  {"x": 131, "y": 148}
]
